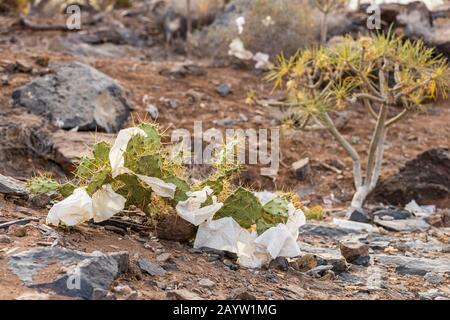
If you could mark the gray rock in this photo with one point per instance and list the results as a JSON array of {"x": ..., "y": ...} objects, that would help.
[
  {"x": 423, "y": 246},
  {"x": 324, "y": 231},
  {"x": 153, "y": 111},
  {"x": 434, "y": 278},
  {"x": 406, "y": 225},
  {"x": 319, "y": 271},
  {"x": 433, "y": 294},
  {"x": 395, "y": 213},
  {"x": 83, "y": 272},
  {"x": 67, "y": 101},
  {"x": 223, "y": 89},
  {"x": 225, "y": 122},
  {"x": 359, "y": 216},
  {"x": 5, "y": 239},
  {"x": 325, "y": 256},
  {"x": 355, "y": 252},
  {"x": 206, "y": 283},
  {"x": 182, "y": 294},
  {"x": 11, "y": 186},
  {"x": 301, "y": 168},
  {"x": 150, "y": 268},
  {"x": 415, "y": 266},
  {"x": 279, "y": 263}
]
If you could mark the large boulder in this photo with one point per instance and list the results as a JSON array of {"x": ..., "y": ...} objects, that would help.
[
  {"x": 425, "y": 179},
  {"x": 76, "y": 96}
]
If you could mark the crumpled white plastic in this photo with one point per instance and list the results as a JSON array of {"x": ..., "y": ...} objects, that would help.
[
  {"x": 240, "y": 22},
  {"x": 116, "y": 158},
  {"x": 191, "y": 210},
  {"x": 222, "y": 234},
  {"x": 106, "y": 203},
  {"x": 262, "y": 61},
  {"x": 252, "y": 250},
  {"x": 160, "y": 187},
  {"x": 237, "y": 50},
  {"x": 80, "y": 207},
  {"x": 73, "y": 210}
]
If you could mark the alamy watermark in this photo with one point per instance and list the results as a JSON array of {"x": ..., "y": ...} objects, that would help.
[{"x": 245, "y": 146}]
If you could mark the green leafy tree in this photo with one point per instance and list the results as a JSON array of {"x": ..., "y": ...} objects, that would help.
[{"x": 385, "y": 74}]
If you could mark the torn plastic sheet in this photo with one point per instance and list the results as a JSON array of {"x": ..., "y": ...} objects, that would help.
[
  {"x": 118, "y": 149},
  {"x": 160, "y": 187},
  {"x": 73, "y": 210},
  {"x": 80, "y": 207},
  {"x": 240, "y": 22},
  {"x": 262, "y": 61},
  {"x": 106, "y": 203},
  {"x": 237, "y": 50},
  {"x": 252, "y": 250},
  {"x": 191, "y": 210}
]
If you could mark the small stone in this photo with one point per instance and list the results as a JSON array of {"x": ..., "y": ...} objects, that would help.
[
  {"x": 243, "y": 117},
  {"x": 101, "y": 294},
  {"x": 301, "y": 169},
  {"x": 395, "y": 213},
  {"x": 223, "y": 89},
  {"x": 153, "y": 111},
  {"x": 224, "y": 122},
  {"x": 182, "y": 294},
  {"x": 33, "y": 296},
  {"x": 435, "y": 220},
  {"x": 320, "y": 271},
  {"x": 17, "y": 231},
  {"x": 279, "y": 263},
  {"x": 433, "y": 294},
  {"x": 405, "y": 225},
  {"x": 163, "y": 257},
  {"x": 122, "y": 289},
  {"x": 5, "y": 239},
  {"x": 132, "y": 296},
  {"x": 242, "y": 294},
  {"x": 305, "y": 263},
  {"x": 355, "y": 252},
  {"x": 434, "y": 278},
  {"x": 173, "y": 228},
  {"x": 446, "y": 218},
  {"x": 206, "y": 283},
  {"x": 359, "y": 216},
  {"x": 170, "y": 267},
  {"x": 150, "y": 268},
  {"x": 25, "y": 211},
  {"x": 269, "y": 293},
  {"x": 338, "y": 164}
]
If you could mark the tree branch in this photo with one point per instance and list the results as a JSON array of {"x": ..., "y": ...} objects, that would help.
[
  {"x": 347, "y": 147},
  {"x": 395, "y": 119}
]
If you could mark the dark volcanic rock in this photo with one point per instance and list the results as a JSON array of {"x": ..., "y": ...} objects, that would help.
[
  {"x": 173, "y": 228},
  {"x": 83, "y": 272},
  {"x": 425, "y": 179},
  {"x": 76, "y": 96}
]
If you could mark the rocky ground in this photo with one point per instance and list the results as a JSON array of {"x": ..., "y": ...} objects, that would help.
[{"x": 395, "y": 254}]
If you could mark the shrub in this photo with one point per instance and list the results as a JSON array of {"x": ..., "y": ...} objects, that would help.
[
  {"x": 272, "y": 26},
  {"x": 383, "y": 72}
]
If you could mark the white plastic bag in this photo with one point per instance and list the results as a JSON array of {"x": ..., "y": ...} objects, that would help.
[
  {"x": 160, "y": 187},
  {"x": 191, "y": 210},
  {"x": 278, "y": 241},
  {"x": 240, "y": 22},
  {"x": 222, "y": 234},
  {"x": 262, "y": 61},
  {"x": 106, "y": 203},
  {"x": 237, "y": 50},
  {"x": 73, "y": 210},
  {"x": 116, "y": 158}
]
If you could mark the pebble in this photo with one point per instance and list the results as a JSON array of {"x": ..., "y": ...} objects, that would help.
[
  {"x": 153, "y": 111},
  {"x": 5, "y": 239},
  {"x": 301, "y": 169},
  {"x": 223, "y": 89},
  {"x": 163, "y": 257},
  {"x": 17, "y": 231},
  {"x": 206, "y": 283},
  {"x": 434, "y": 278},
  {"x": 355, "y": 252}
]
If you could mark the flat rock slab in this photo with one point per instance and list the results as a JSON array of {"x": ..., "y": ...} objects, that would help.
[
  {"x": 68, "y": 272},
  {"x": 415, "y": 266},
  {"x": 11, "y": 186},
  {"x": 325, "y": 231},
  {"x": 76, "y": 96},
  {"x": 406, "y": 225}
]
